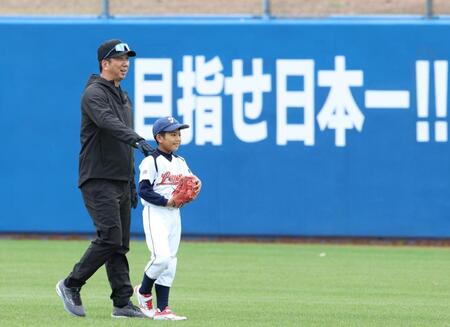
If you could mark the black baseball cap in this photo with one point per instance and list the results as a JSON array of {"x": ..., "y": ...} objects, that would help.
[{"x": 114, "y": 48}]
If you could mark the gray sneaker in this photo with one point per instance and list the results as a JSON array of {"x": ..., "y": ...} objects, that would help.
[
  {"x": 71, "y": 299},
  {"x": 128, "y": 311}
]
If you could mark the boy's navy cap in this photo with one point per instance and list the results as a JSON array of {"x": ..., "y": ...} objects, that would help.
[
  {"x": 108, "y": 50},
  {"x": 167, "y": 124}
]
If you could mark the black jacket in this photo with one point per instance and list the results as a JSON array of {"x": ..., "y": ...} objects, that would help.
[{"x": 106, "y": 133}]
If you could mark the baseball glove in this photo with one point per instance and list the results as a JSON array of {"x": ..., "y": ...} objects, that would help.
[{"x": 186, "y": 190}]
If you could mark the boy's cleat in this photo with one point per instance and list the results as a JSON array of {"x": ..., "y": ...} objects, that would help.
[
  {"x": 145, "y": 302},
  {"x": 167, "y": 314}
]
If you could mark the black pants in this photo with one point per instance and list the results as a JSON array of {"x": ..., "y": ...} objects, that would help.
[{"x": 108, "y": 203}]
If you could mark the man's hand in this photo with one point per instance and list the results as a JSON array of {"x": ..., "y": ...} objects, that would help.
[
  {"x": 133, "y": 196},
  {"x": 144, "y": 147}
]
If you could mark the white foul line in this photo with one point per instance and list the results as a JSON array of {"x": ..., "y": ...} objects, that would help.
[{"x": 385, "y": 99}]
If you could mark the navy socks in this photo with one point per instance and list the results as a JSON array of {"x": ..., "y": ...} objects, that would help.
[
  {"x": 162, "y": 292},
  {"x": 147, "y": 285},
  {"x": 162, "y": 296}
]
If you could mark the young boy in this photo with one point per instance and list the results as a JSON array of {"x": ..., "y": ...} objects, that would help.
[{"x": 159, "y": 176}]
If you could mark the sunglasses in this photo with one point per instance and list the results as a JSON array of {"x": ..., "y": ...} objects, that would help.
[{"x": 121, "y": 47}]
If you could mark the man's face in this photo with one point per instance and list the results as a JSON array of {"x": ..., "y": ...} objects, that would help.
[{"x": 117, "y": 68}]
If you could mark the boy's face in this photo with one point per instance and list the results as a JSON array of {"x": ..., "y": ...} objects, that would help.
[{"x": 169, "y": 141}]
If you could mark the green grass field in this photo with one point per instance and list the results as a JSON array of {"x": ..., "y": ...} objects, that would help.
[{"x": 234, "y": 284}]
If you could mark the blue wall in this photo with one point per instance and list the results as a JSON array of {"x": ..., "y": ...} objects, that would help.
[{"x": 351, "y": 162}]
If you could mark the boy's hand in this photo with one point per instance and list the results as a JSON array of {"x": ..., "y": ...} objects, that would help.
[
  {"x": 171, "y": 204},
  {"x": 198, "y": 186}
]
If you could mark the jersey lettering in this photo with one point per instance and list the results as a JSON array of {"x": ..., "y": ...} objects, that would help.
[{"x": 168, "y": 179}]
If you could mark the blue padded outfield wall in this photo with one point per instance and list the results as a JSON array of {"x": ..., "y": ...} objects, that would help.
[{"x": 300, "y": 128}]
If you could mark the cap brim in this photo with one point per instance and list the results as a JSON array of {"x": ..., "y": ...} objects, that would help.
[
  {"x": 176, "y": 127},
  {"x": 130, "y": 53}
]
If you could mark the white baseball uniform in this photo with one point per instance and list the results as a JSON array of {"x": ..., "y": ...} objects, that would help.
[{"x": 162, "y": 225}]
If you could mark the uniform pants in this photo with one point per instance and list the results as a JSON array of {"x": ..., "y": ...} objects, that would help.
[
  {"x": 108, "y": 203},
  {"x": 162, "y": 228}
]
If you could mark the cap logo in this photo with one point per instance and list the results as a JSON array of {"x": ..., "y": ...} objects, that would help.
[{"x": 171, "y": 119}]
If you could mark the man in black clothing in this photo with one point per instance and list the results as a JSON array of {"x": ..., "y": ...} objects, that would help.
[{"x": 106, "y": 180}]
